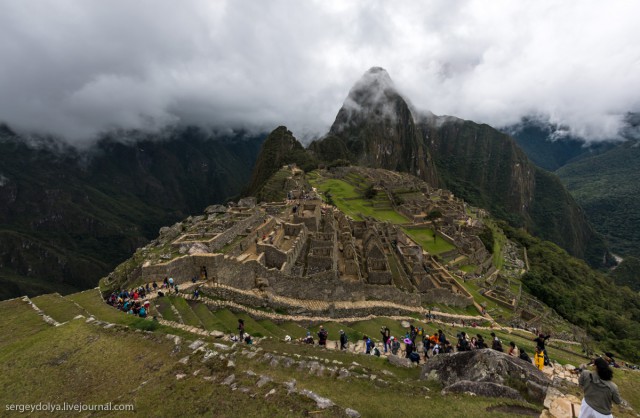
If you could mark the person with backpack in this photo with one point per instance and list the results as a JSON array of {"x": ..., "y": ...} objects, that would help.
[
  {"x": 426, "y": 345},
  {"x": 343, "y": 340},
  {"x": 413, "y": 333},
  {"x": 395, "y": 346},
  {"x": 367, "y": 344},
  {"x": 408, "y": 347},
  {"x": 322, "y": 336},
  {"x": 480, "y": 342},
  {"x": 540, "y": 340},
  {"x": 513, "y": 350},
  {"x": 599, "y": 390},
  {"x": 496, "y": 344}
]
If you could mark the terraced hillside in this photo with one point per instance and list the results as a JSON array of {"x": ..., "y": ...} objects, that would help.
[{"x": 211, "y": 375}]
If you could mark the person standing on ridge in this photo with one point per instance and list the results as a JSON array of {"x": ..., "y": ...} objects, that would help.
[{"x": 343, "y": 340}]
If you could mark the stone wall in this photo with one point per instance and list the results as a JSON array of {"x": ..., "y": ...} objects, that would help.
[
  {"x": 379, "y": 277},
  {"x": 447, "y": 297},
  {"x": 238, "y": 228}
]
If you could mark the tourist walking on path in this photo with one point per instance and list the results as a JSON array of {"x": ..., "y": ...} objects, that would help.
[
  {"x": 599, "y": 391},
  {"x": 386, "y": 334},
  {"x": 395, "y": 346},
  {"x": 343, "y": 340},
  {"x": 322, "y": 336},
  {"x": 538, "y": 359},
  {"x": 540, "y": 340},
  {"x": 241, "y": 328}
]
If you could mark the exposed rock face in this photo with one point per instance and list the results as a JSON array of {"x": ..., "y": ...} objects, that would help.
[
  {"x": 485, "y": 366},
  {"x": 400, "y": 361},
  {"x": 488, "y": 389},
  {"x": 487, "y": 168},
  {"x": 375, "y": 127}
]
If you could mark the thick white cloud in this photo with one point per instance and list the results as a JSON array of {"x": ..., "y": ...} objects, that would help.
[{"x": 76, "y": 68}]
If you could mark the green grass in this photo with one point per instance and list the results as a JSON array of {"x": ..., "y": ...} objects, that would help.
[
  {"x": 58, "y": 307},
  {"x": 164, "y": 308},
  {"x": 18, "y": 320},
  {"x": 188, "y": 317},
  {"x": 272, "y": 328},
  {"x": 206, "y": 317},
  {"x": 91, "y": 301},
  {"x": 425, "y": 238},
  {"x": 469, "y": 268},
  {"x": 293, "y": 330},
  {"x": 227, "y": 319},
  {"x": 349, "y": 200}
]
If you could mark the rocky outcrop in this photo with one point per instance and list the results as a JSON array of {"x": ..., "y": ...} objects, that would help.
[
  {"x": 487, "y": 389},
  {"x": 486, "y": 366},
  {"x": 375, "y": 127}
]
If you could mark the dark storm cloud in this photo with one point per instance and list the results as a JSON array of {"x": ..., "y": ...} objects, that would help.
[{"x": 77, "y": 68}]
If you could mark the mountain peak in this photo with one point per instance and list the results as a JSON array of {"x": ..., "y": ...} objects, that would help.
[{"x": 374, "y": 87}]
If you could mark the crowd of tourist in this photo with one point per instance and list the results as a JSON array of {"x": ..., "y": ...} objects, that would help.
[{"x": 133, "y": 301}]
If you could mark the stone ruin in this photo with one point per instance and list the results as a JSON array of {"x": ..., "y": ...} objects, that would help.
[{"x": 310, "y": 245}]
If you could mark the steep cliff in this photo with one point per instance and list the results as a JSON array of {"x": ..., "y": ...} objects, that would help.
[{"x": 487, "y": 168}]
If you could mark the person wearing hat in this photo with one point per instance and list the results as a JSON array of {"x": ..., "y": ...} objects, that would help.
[
  {"x": 343, "y": 340},
  {"x": 408, "y": 347}
]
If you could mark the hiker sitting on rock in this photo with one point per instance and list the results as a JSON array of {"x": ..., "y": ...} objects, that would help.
[
  {"x": 463, "y": 344},
  {"x": 496, "y": 344},
  {"x": 513, "y": 350},
  {"x": 308, "y": 339}
]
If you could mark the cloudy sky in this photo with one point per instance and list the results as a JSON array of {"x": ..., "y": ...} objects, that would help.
[{"x": 75, "y": 68}]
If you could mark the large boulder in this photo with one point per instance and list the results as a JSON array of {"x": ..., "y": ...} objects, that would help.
[
  {"x": 487, "y": 366},
  {"x": 488, "y": 389},
  {"x": 400, "y": 361}
]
